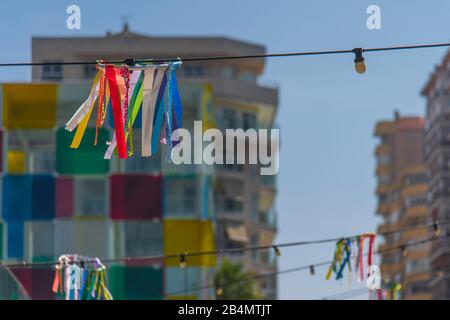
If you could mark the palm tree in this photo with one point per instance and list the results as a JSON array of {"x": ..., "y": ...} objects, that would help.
[{"x": 233, "y": 283}]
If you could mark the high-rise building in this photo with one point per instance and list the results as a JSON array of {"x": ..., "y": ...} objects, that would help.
[
  {"x": 402, "y": 187},
  {"x": 57, "y": 200},
  {"x": 437, "y": 153}
]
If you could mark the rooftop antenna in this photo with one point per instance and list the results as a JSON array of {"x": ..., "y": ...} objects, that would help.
[{"x": 125, "y": 24}]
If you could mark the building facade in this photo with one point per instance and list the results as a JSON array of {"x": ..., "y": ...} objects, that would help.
[
  {"x": 402, "y": 186},
  {"x": 437, "y": 153},
  {"x": 77, "y": 202}
]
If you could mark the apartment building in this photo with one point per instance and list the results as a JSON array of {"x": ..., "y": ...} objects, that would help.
[
  {"x": 402, "y": 186},
  {"x": 437, "y": 154}
]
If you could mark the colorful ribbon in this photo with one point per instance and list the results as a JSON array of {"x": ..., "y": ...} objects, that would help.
[
  {"x": 155, "y": 89},
  {"x": 117, "y": 111},
  {"x": 152, "y": 84},
  {"x": 134, "y": 86}
]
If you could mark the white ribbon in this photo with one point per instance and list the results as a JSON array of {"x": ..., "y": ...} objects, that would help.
[
  {"x": 73, "y": 281},
  {"x": 83, "y": 110},
  {"x": 151, "y": 90}
]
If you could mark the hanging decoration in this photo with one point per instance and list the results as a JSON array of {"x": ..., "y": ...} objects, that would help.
[
  {"x": 343, "y": 255},
  {"x": 359, "y": 261},
  {"x": 393, "y": 291},
  {"x": 341, "y": 259},
  {"x": 80, "y": 278},
  {"x": 125, "y": 90}
]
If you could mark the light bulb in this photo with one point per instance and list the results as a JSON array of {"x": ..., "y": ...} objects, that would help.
[
  {"x": 437, "y": 230},
  {"x": 182, "y": 261},
  {"x": 277, "y": 251},
  {"x": 312, "y": 271},
  {"x": 360, "y": 66},
  {"x": 404, "y": 251}
]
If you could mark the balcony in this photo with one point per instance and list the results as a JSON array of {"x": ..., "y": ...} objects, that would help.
[
  {"x": 242, "y": 90},
  {"x": 384, "y": 128},
  {"x": 383, "y": 189},
  {"x": 268, "y": 219},
  {"x": 229, "y": 205},
  {"x": 386, "y": 227},
  {"x": 383, "y": 208},
  {"x": 383, "y": 169},
  {"x": 440, "y": 251},
  {"x": 382, "y": 149}
]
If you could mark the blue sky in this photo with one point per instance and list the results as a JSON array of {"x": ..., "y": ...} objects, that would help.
[{"x": 327, "y": 112}]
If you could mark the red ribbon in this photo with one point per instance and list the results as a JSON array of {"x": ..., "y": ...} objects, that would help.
[
  {"x": 361, "y": 257},
  {"x": 117, "y": 111},
  {"x": 56, "y": 281},
  {"x": 371, "y": 243}
]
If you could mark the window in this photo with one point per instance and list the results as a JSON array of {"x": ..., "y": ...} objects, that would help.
[
  {"x": 418, "y": 287},
  {"x": 418, "y": 200},
  {"x": 90, "y": 197},
  {"x": 230, "y": 119},
  {"x": 249, "y": 121},
  {"x": 90, "y": 71},
  {"x": 384, "y": 159},
  {"x": 181, "y": 197},
  {"x": 42, "y": 162},
  {"x": 193, "y": 71},
  {"x": 142, "y": 238},
  {"x": 228, "y": 72},
  {"x": 383, "y": 199},
  {"x": 384, "y": 179},
  {"x": 52, "y": 72},
  {"x": 247, "y": 76},
  {"x": 414, "y": 266}
]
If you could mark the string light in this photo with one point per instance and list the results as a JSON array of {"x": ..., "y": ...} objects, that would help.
[
  {"x": 133, "y": 61},
  {"x": 436, "y": 228},
  {"x": 183, "y": 256},
  {"x": 312, "y": 271},
  {"x": 404, "y": 250},
  {"x": 219, "y": 290},
  {"x": 277, "y": 251},
  {"x": 302, "y": 268},
  {"x": 360, "y": 66},
  {"x": 183, "y": 262}
]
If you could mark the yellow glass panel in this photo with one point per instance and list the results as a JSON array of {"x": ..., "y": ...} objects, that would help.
[
  {"x": 16, "y": 162},
  {"x": 266, "y": 200},
  {"x": 29, "y": 106},
  {"x": 181, "y": 236}
]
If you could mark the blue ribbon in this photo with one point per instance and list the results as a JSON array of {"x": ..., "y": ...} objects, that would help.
[
  {"x": 168, "y": 108},
  {"x": 348, "y": 251}
]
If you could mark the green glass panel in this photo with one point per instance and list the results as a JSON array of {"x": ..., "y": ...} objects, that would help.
[
  {"x": 87, "y": 159},
  {"x": 136, "y": 283}
]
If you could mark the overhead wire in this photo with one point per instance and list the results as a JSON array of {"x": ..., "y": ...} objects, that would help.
[
  {"x": 186, "y": 255},
  {"x": 231, "y": 57}
]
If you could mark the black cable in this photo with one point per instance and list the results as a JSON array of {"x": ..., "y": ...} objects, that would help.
[
  {"x": 306, "y": 267},
  {"x": 215, "y": 58},
  {"x": 225, "y": 251}
]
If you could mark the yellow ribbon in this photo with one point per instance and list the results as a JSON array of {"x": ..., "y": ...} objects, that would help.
[
  {"x": 83, "y": 124},
  {"x": 337, "y": 258}
]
